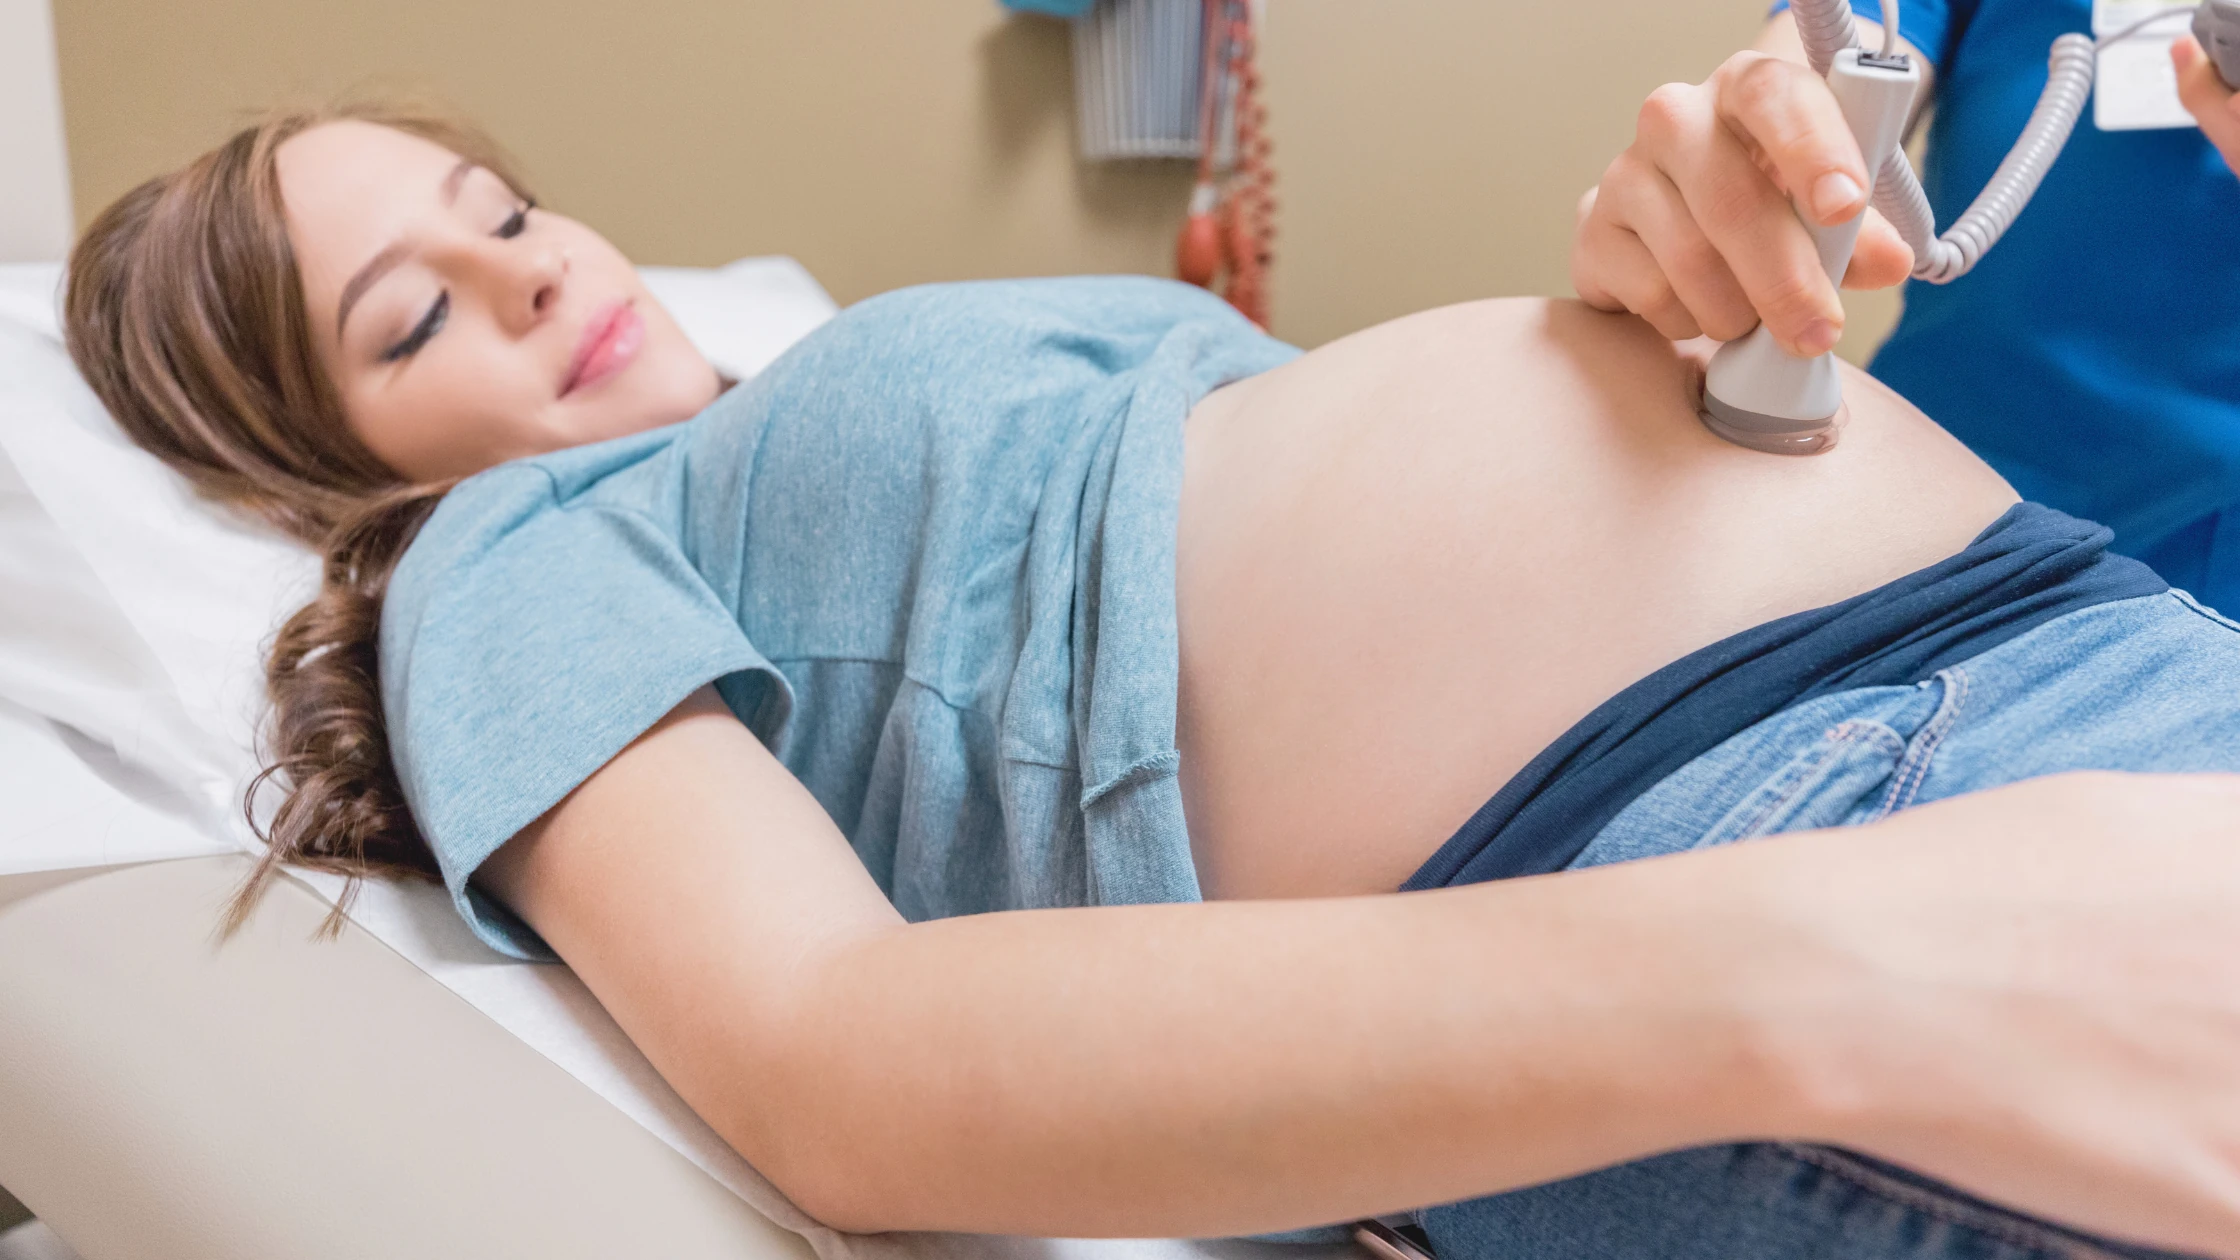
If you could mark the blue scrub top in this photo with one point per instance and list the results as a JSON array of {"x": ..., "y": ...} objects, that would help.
[{"x": 2094, "y": 356}]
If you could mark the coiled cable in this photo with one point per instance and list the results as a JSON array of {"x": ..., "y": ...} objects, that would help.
[{"x": 1827, "y": 29}]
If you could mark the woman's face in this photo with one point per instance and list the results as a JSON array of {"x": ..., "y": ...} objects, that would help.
[{"x": 461, "y": 328}]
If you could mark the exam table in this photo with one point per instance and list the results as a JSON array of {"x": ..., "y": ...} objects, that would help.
[{"x": 156, "y": 1089}]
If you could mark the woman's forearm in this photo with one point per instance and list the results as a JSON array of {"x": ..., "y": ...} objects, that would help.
[
  {"x": 1239, "y": 1067},
  {"x": 2033, "y": 992},
  {"x": 1180, "y": 1070}
]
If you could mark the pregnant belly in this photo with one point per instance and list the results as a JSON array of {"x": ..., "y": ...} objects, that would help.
[{"x": 1414, "y": 557}]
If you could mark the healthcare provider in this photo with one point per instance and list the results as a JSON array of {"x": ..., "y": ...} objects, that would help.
[{"x": 2093, "y": 358}]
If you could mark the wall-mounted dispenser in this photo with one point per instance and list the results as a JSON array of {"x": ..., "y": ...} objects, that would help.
[{"x": 1180, "y": 79}]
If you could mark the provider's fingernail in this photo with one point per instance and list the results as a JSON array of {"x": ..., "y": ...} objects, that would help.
[
  {"x": 1835, "y": 193},
  {"x": 1819, "y": 337}
]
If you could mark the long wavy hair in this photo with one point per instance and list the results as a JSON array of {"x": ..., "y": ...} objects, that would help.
[{"x": 184, "y": 310}]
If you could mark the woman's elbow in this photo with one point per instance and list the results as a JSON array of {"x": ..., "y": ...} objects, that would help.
[
  {"x": 824, "y": 1190},
  {"x": 818, "y": 1106},
  {"x": 819, "y": 1146}
]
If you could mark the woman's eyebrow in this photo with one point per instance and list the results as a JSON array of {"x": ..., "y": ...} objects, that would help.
[{"x": 383, "y": 263}]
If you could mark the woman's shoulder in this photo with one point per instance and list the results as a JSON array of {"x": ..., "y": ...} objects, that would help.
[{"x": 521, "y": 501}]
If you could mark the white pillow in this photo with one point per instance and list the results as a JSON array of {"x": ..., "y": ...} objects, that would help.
[
  {"x": 30, "y": 295},
  {"x": 135, "y": 611},
  {"x": 73, "y": 803},
  {"x": 742, "y": 314},
  {"x": 76, "y": 620}
]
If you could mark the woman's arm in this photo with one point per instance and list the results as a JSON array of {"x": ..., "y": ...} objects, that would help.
[{"x": 1233, "y": 1067}]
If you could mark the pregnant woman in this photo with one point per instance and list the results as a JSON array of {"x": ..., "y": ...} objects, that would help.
[{"x": 979, "y": 759}]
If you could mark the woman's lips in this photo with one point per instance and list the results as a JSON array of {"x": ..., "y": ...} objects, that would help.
[{"x": 610, "y": 341}]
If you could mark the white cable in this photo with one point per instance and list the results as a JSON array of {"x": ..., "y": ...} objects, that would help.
[
  {"x": 1827, "y": 29},
  {"x": 1889, "y": 28},
  {"x": 2176, "y": 10}
]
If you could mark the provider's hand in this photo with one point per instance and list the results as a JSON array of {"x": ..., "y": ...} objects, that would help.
[
  {"x": 1692, "y": 229},
  {"x": 2052, "y": 1015},
  {"x": 2207, "y": 98}
]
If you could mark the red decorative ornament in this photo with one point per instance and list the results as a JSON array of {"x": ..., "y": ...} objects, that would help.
[{"x": 1231, "y": 226}]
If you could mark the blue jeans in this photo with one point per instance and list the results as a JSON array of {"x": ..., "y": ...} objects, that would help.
[{"x": 2149, "y": 684}]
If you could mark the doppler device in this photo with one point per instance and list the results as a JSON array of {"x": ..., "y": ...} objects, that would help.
[{"x": 1758, "y": 395}]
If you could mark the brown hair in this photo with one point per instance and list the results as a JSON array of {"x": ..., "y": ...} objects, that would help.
[{"x": 185, "y": 312}]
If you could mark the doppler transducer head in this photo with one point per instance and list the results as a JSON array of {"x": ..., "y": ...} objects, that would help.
[
  {"x": 1762, "y": 398},
  {"x": 1758, "y": 395}
]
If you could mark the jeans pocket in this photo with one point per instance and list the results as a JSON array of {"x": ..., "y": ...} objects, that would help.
[
  {"x": 1839, "y": 760},
  {"x": 1813, "y": 774},
  {"x": 1860, "y": 771},
  {"x": 1921, "y": 751},
  {"x": 1825, "y": 784}
]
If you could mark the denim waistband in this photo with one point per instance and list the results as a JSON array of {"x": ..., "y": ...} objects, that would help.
[{"x": 2031, "y": 566}]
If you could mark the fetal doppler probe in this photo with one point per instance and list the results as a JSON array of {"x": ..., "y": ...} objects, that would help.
[{"x": 1760, "y": 396}]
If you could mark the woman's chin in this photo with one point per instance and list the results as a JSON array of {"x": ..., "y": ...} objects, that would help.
[{"x": 609, "y": 423}]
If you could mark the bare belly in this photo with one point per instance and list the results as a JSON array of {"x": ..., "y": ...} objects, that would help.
[{"x": 1413, "y": 558}]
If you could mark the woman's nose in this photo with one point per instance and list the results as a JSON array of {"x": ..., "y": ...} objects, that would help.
[{"x": 529, "y": 283}]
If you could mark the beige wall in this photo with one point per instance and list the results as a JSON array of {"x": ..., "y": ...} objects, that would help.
[{"x": 1430, "y": 150}]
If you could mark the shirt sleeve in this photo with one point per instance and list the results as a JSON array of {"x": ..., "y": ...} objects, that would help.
[
  {"x": 524, "y": 658},
  {"x": 1925, "y": 24}
]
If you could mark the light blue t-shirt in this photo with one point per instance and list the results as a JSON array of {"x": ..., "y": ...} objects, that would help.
[
  {"x": 927, "y": 558},
  {"x": 2093, "y": 358}
]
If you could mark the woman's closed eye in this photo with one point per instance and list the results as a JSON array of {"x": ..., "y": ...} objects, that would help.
[
  {"x": 440, "y": 309},
  {"x": 516, "y": 221},
  {"x": 429, "y": 325}
]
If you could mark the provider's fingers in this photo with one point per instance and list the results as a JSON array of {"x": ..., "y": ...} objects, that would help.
[
  {"x": 1787, "y": 116},
  {"x": 1882, "y": 258},
  {"x": 1745, "y": 217},
  {"x": 2207, "y": 98},
  {"x": 1613, "y": 271},
  {"x": 1652, "y": 207}
]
